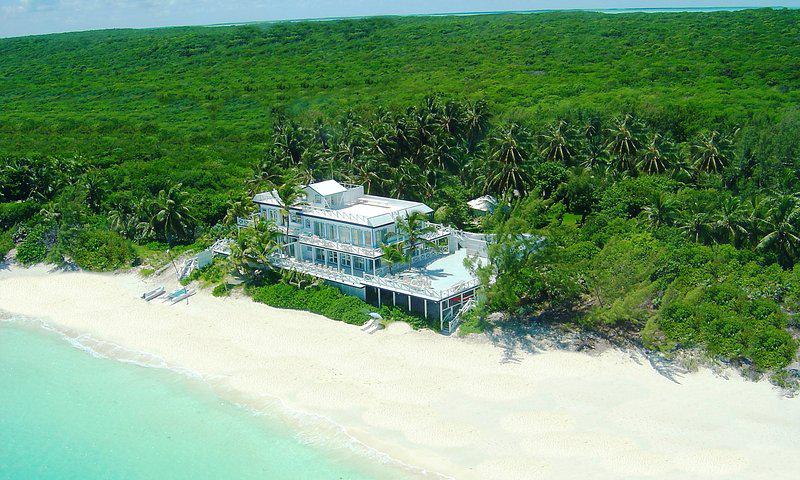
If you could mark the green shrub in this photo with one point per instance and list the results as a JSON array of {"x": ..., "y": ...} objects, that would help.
[
  {"x": 323, "y": 300},
  {"x": 34, "y": 248},
  {"x": 394, "y": 314},
  {"x": 6, "y": 244},
  {"x": 16, "y": 212},
  {"x": 221, "y": 290},
  {"x": 101, "y": 250}
]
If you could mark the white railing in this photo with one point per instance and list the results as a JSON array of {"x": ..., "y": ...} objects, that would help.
[
  {"x": 344, "y": 247},
  {"x": 309, "y": 268},
  {"x": 415, "y": 262},
  {"x": 222, "y": 246},
  {"x": 419, "y": 286},
  {"x": 335, "y": 214},
  {"x": 454, "y": 322}
]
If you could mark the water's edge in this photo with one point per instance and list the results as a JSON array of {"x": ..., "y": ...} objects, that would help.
[{"x": 315, "y": 430}]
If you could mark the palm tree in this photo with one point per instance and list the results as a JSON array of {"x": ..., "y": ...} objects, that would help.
[
  {"x": 557, "y": 144},
  {"x": 696, "y": 222},
  {"x": 730, "y": 220},
  {"x": 781, "y": 232},
  {"x": 395, "y": 254},
  {"x": 624, "y": 144},
  {"x": 411, "y": 233},
  {"x": 253, "y": 248},
  {"x": 240, "y": 207},
  {"x": 124, "y": 223},
  {"x": 266, "y": 174},
  {"x": 290, "y": 194},
  {"x": 655, "y": 156},
  {"x": 508, "y": 169},
  {"x": 660, "y": 210},
  {"x": 171, "y": 216},
  {"x": 710, "y": 152},
  {"x": 476, "y": 123}
]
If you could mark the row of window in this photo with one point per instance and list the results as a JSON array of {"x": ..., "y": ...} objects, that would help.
[
  {"x": 362, "y": 237},
  {"x": 358, "y": 263}
]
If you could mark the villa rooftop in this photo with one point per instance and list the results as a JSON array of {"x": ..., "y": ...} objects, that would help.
[{"x": 353, "y": 207}]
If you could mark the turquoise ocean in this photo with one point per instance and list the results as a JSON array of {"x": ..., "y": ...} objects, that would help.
[{"x": 67, "y": 414}]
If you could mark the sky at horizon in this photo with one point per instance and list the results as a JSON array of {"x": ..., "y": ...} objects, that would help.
[{"x": 31, "y": 17}]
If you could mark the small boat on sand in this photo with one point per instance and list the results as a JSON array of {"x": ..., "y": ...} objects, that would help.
[
  {"x": 176, "y": 294},
  {"x": 183, "y": 296},
  {"x": 154, "y": 293}
]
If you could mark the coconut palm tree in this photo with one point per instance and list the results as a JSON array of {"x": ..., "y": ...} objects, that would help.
[
  {"x": 696, "y": 222},
  {"x": 410, "y": 233},
  {"x": 730, "y": 220},
  {"x": 710, "y": 152},
  {"x": 395, "y": 254},
  {"x": 655, "y": 157},
  {"x": 781, "y": 229},
  {"x": 237, "y": 208},
  {"x": 624, "y": 144},
  {"x": 508, "y": 169},
  {"x": 557, "y": 144},
  {"x": 660, "y": 211},
  {"x": 290, "y": 193},
  {"x": 476, "y": 123},
  {"x": 171, "y": 216}
]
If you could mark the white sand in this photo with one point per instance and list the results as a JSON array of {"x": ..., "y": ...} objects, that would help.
[{"x": 444, "y": 404}]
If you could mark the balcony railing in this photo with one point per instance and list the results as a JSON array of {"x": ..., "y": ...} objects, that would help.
[{"x": 321, "y": 271}]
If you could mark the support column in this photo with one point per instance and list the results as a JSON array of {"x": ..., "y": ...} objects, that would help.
[
  {"x": 379, "y": 296},
  {"x": 409, "y": 303},
  {"x": 339, "y": 261},
  {"x": 425, "y": 305},
  {"x": 352, "y": 261},
  {"x": 394, "y": 298}
]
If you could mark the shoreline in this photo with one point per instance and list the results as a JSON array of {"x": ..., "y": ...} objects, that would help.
[{"x": 442, "y": 404}]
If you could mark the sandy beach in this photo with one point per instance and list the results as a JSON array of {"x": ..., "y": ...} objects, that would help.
[{"x": 453, "y": 406}]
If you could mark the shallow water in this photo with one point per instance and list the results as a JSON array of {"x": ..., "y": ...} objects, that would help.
[{"x": 67, "y": 414}]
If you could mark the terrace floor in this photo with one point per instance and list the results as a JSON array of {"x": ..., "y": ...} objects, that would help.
[{"x": 442, "y": 273}]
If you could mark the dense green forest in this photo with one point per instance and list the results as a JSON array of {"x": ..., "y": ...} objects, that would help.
[{"x": 653, "y": 156}]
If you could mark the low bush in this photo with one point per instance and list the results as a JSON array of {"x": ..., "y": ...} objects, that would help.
[
  {"x": 6, "y": 244},
  {"x": 16, "y": 212},
  {"x": 323, "y": 300},
  {"x": 221, "y": 290},
  {"x": 101, "y": 250},
  {"x": 33, "y": 249}
]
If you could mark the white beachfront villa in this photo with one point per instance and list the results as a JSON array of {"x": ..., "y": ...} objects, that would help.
[{"x": 336, "y": 234}]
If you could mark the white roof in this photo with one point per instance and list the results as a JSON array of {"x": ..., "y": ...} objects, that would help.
[
  {"x": 485, "y": 203},
  {"x": 328, "y": 187},
  {"x": 367, "y": 210}
]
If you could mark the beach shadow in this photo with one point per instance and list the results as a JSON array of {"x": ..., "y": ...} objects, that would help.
[
  {"x": 5, "y": 265},
  {"x": 65, "y": 267},
  {"x": 518, "y": 338},
  {"x": 665, "y": 367}
]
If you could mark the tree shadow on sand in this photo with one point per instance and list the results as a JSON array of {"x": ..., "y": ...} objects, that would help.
[{"x": 516, "y": 338}]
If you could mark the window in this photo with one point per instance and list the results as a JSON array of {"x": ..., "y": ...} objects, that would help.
[
  {"x": 358, "y": 263},
  {"x": 307, "y": 223},
  {"x": 344, "y": 234},
  {"x": 294, "y": 217},
  {"x": 317, "y": 199},
  {"x": 331, "y": 232},
  {"x": 368, "y": 238},
  {"x": 333, "y": 257},
  {"x": 320, "y": 256},
  {"x": 346, "y": 259},
  {"x": 318, "y": 229}
]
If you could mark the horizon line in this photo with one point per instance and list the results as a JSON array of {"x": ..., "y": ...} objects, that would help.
[{"x": 610, "y": 11}]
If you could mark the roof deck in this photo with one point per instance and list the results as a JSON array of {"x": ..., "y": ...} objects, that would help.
[
  {"x": 438, "y": 279},
  {"x": 349, "y": 204}
]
